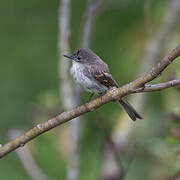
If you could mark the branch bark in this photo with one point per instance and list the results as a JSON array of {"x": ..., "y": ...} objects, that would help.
[
  {"x": 111, "y": 95},
  {"x": 158, "y": 87}
]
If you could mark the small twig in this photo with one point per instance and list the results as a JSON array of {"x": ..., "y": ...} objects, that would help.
[
  {"x": 111, "y": 95},
  {"x": 159, "y": 87},
  {"x": 173, "y": 77}
]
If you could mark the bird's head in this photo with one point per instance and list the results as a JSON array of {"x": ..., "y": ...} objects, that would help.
[{"x": 82, "y": 55}]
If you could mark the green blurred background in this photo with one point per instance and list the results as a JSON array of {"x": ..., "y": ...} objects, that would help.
[{"x": 29, "y": 83}]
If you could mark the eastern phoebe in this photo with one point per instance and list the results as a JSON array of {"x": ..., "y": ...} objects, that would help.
[{"x": 93, "y": 74}]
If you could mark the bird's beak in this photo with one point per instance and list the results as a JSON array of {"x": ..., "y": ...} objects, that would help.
[{"x": 68, "y": 56}]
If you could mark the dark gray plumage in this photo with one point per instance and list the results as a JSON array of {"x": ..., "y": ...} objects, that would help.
[{"x": 92, "y": 73}]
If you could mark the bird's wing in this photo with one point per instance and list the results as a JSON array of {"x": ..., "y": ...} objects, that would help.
[
  {"x": 101, "y": 73},
  {"x": 105, "y": 79}
]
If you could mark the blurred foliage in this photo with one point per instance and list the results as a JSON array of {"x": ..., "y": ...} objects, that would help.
[{"x": 29, "y": 84}]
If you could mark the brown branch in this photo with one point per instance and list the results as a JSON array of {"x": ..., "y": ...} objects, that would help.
[
  {"x": 159, "y": 87},
  {"x": 173, "y": 77},
  {"x": 111, "y": 95}
]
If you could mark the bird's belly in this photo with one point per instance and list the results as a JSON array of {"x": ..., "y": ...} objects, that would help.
[{"x": 88, "y": 83}]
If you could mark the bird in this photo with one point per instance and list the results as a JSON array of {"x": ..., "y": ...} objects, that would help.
[{"x": 91, "y": 72}]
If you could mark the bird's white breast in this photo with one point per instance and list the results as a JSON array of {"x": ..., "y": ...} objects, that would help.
[
  {"x": 89, "y": 82},
  {"x": 77, "y": 73}
]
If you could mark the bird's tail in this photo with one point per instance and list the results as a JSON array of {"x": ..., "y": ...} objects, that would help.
[{"x": 133, "y": 114}]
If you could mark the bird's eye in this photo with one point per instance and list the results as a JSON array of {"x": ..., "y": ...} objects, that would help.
[{"x": 78, "y": 57}]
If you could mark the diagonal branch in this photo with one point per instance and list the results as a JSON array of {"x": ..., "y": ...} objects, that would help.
[
  {"x": 158, "y": 69},
  {"x": 111, "y": 95}
]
